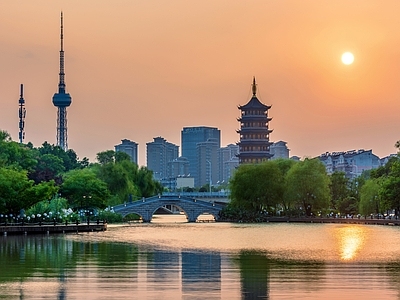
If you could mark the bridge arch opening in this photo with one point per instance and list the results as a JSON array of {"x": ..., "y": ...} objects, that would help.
[
  {"x": 177, "y": 214},
  {"x": 206, "y": 217},
  {"x": 169, "y": 214}
]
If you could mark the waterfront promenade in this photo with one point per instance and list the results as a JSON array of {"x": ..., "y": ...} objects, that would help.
[
  {"x": 29, "y": 229},
  {"x": 12, "y": 229}
]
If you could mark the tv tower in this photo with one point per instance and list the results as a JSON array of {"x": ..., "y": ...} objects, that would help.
[
  {"x": 62, "y": 100},
  {"x": 22, "y": 114}
]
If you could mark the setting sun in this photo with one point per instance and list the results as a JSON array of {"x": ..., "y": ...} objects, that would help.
[{"x": 347, "y": 58}]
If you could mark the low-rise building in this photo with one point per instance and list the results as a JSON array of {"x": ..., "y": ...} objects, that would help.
[
  {"x": 228, "y": 162},
  {"x": 352, "y": 162},
  {"x": 279, "y": 150}
]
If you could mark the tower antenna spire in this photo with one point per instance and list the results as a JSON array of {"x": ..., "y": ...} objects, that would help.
[
  {"x": 61, "y": 84},
  {"x": 22, "y": 114},
  {"x": 62, "y": 99}
]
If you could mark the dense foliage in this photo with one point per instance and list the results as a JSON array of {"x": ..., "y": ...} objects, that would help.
[
  {"x": 34, "y": 179},
  {"x": 48, "y": 180},
  {"x": 278, "y": 187},
  {"x": 303, "y": 188}
]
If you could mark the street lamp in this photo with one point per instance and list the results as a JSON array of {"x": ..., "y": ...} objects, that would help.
[
  {"x": 209, "y": 173},
  {"x": 85, "y": 212}
]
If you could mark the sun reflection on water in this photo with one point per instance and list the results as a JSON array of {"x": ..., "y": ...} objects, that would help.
[{"x": 351, "y": 241}]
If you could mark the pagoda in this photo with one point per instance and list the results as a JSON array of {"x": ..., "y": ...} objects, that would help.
[{"x": 254, "y": 132}]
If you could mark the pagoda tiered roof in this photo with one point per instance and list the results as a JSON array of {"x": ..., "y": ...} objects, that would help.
[{"x": 254, "y": 103}]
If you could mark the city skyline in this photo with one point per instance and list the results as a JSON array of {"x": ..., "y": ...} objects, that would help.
[{"x": 147, "y": 69}]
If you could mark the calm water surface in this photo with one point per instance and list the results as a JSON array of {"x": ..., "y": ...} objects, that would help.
[{"x": 176, "y": 260}]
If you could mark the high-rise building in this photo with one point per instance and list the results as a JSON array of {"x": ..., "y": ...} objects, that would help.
[
  {"x": 228, "y": 162},
  {"x": 130, "y": 148},
  {"x": 62, "y": 99},
  {"x": 207, "y": 163},
  {"x": 254, "y": 144},
  {"x": 190, "y": 137},
  {"x": 159, "y": 153},
  {"x": 178, "y": 167},
  {"x": 279, "y": 150}
]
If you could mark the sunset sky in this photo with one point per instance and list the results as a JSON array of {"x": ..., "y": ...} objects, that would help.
[{"x": 141, "y": 69}]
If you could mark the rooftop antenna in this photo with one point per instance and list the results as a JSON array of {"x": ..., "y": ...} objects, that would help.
[{"x": 22, "y": 114}]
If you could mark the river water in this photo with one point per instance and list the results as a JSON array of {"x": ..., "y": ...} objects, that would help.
[{"x": 171, "y": 259}]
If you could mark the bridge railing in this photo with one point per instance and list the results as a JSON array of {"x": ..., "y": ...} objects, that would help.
[{"x": 220, "y": 194}]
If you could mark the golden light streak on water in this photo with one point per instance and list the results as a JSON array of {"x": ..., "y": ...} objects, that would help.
[{"x": 351, "y": 241}]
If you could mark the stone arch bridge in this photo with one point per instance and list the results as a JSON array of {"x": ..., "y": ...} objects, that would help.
[{"x": 192, "y": 207}]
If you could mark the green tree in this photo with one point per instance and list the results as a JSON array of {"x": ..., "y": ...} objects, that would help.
[
  {"x": 106, "y": 157},
  {"x": 49, "y": 167},
  {"x": 116, "y": 178},
  {"x": 18, "y": 192},
  {"x": 348, "y": 206},
  {"x": 355, "y": 186},
  {"x": 339, "y": 188},
  {"x": 384, "y": 171},
  {"x": 5, "y": 136},
  {"x": 84, "y": 189},
  {"x": 390, "y": 191},
  {"x": 369, "y": 197},
  {"x": 307, "y": 186},
  {"x": 284, "y": 166},
  {"x": 69, "y": 157},
  {"x": 256, "y": 187},
  {"x": 147, "y": 185},
  {"x": 15, "y": 154},
  {"x": 120, "y": 178},
  {"x": 124, "y": 178},
  {"x": 121, "y": 156}
]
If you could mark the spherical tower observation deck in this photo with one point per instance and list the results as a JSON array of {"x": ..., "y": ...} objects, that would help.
[{"x": 62, "y": 99}]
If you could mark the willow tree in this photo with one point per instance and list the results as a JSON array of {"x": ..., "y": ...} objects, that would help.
[
  {"x": 339, "y": 188},
  {"x": 391, "y": 188},
  {"x": 369, "y": 197},
  {"x": 307, "y": 186},
  {"x": 124, "y": 178},
  {"x": 256, "y": 187},
  {"x": 284, "y": 166}
]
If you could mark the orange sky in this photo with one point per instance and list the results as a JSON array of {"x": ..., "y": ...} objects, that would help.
[{"x": 142, "y": 69}]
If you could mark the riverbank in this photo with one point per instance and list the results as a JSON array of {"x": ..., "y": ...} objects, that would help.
[
  {"x": 52, "y": 229},
  {"x": 367, "y": 221}
]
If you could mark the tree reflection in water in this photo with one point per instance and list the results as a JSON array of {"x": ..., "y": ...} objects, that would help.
[
  {"x": 258, "y": 270},
  {"x": 170, "y": 262}
]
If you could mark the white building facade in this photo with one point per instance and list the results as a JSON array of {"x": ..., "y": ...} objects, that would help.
[{"x": 352, "y": 162}]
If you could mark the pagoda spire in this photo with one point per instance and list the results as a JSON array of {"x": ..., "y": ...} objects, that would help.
[{"x": 254, "y": 86}]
